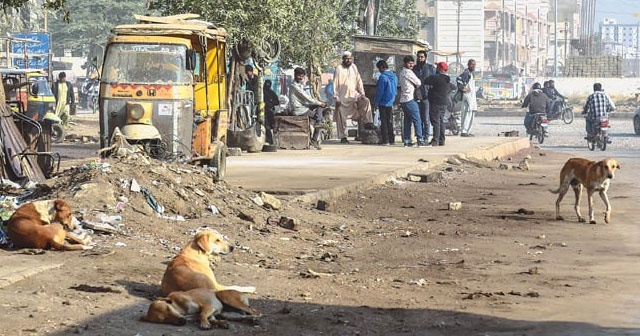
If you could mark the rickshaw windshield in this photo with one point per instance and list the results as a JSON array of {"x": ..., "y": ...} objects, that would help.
[
  {"x": 146, "y": 63},
  {"x": 43, "y": 85}
]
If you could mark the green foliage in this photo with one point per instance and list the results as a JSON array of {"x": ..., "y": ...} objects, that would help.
[
  {"x": 309, "y": 30},
  {"x": 399, "y": 18},
  {"x": 90, "y": 22}
]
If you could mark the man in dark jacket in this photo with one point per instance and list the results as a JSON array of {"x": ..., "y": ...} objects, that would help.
[
  {"x": 438, "y": 101},
  {"x": 423, "y": 70},
  {"x": 537, "y": 102},
  {"x": 271, "y": 100}
]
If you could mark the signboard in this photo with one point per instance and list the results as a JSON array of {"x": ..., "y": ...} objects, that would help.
[{"x": 37, "y": 53}]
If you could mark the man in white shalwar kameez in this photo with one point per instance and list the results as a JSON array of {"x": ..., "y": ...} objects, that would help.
[{"x": 349, "y": 96}]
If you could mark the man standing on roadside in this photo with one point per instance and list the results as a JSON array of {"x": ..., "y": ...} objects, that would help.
[
  {"x": 63, "y": 92},
  {"x": 386, "y": 92},
  {"x": 466, "y": 83},
  {"x": 348, "y": 92},
  {"x": 438, "y": 101},
  {"x": 408, "y": 84},
  {"x": 423, "y": 70}
]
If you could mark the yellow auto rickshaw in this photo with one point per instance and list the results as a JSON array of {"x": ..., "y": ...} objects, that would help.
[
  {"x": 163, "y": 86},
  {"x": 28, "y": 91}
]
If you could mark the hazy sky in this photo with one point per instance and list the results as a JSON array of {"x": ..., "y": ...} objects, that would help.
[{"x": 622, "y": 10}]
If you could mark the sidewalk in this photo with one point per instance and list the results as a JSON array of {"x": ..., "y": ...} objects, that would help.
[{"x": 340, "y": 168}]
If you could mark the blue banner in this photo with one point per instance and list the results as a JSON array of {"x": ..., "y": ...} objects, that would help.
[{"x": 37, "y": 52}]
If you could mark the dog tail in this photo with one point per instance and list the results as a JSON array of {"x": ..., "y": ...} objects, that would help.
[{"x": 241, "y": 289}]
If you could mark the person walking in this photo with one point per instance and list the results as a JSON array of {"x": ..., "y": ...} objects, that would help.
[
  {"x": 350, "y": 100},
  {"x": 438, "y": 101},
  {"x": 63, "y": 92},
  {"x": 271, "y": 100},
  {"x": 423, "y": 70},
  {"x": 466, "y": 83},
  {"x": 408, "y": 84},
  {"x": 386, "y": 92}
]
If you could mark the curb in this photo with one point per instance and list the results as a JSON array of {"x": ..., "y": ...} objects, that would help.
[{"x": 500, "y": 150}]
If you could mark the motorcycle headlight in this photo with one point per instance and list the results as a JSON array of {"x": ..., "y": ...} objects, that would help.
[{"x": 136, "y": 111}]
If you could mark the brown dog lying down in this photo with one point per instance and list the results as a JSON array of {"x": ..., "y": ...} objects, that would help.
[
  {"x": 190, "y": 268},
  {"x": 206, "y": 303},
  {"x": 594, "y": 176},
  {"x": 36, "y": 225}
]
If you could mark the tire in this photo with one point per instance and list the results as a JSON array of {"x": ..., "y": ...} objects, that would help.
[
  {"x": 455, "y": 130},
  {"x": 603, "y": 146},
  {"x": 567, "y": 115},
  {"x": 269, "y": 148},
  {"x": 540, "y": 136},
  {"x": 57, "y": 133},
  {"x": 591, "y": 145},
  {"x": 219, "y": 162},
  {"x": 636, "y": 124},
  {"x": 530, "y": 136}
]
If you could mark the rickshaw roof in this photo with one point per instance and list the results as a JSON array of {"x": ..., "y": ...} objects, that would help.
[
  {"x": 390, "y": 45},
  {"x": 183, "y": 24},
  {"x": 7, "y": 71}
]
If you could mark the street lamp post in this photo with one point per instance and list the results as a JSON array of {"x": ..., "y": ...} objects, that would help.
[
  {"x": 458, "y": 34},
  {"x": 555, "y": 38}
]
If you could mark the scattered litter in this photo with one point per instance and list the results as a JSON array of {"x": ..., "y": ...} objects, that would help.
[
  {"x": 157, "y": 207},
  {"x": 135, "y": 187},
  {"x": 214, "y": 209},
  {"x": 420, "y": 282},
  {"x": 120, "y": 244},
  {"x": 454, "y": 206}
]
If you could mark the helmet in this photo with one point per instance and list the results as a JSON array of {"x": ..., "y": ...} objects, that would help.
[{"x": 536, "y": 86}]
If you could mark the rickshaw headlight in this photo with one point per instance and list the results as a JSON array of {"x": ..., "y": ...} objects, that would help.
[{"x": 136, "y": 111}]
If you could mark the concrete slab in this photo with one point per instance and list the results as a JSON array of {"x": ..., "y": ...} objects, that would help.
[
  {"x": 340, "y": 168},
  {"x": 18, "y": 267}
]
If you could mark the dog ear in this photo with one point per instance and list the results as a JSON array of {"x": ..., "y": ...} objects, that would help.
[
  {"x": 58, "y": 204},
  {"x": 202, "y": 240}
]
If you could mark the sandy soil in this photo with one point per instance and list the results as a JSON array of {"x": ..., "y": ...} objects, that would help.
[{"x": 392, "y": 260}]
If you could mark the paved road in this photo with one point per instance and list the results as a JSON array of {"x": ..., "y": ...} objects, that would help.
[{"x": 567, "y": 137}]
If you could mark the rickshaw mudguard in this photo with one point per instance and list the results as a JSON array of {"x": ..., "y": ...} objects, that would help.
[{"x": 138, "y": 132}]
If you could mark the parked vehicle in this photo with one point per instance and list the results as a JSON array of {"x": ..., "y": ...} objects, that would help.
[
  {"x": 539, "y": 127},
  {"x": 636, "y": 121},
  {"x": 164, "y": 86},
  {"x": 600, "y": 137},
  {"x": 34, "y": 99}
]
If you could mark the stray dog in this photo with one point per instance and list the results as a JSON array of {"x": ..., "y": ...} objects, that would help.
[
  {"x": 595, "y": 176},
  {"x": 33, "y": 225},
  {"x": 207, "y": 303},
  {"x": 190, "y": 268}
]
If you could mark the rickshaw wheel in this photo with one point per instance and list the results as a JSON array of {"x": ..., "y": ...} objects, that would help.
[
  {"x": 57, "y": 133},
  {"x": 219, "y": 162}
]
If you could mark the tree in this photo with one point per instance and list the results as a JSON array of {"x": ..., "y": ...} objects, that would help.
[{"x": 91, "y": 23}]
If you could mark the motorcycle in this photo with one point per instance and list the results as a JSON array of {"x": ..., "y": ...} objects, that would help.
[
  {"x": 600, "y": 137},
  {"x": 563, "y": 111},
  {"x": 452, "y": 122},
  {"x": 88, "y": 94},
  {"x": 539, "y": 127}
]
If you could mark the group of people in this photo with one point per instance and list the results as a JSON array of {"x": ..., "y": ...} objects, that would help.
[
  {"x": 425, "y": 96},
  {"x": 543, "y": 99}
]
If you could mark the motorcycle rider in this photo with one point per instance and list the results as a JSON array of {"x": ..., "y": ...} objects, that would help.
[
  {"x": 555, "y": 98},
  {"x": 598, "y": 106},
  {"x": 537, "y": 102}
]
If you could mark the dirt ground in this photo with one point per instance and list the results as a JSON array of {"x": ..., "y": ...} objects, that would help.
[{"x": 391, "y": 260}]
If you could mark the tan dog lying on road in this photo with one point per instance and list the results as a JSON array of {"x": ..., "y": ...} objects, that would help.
[
  {"x": 190, "y": 268},
  {"x": 595, "y": 176},
  {"x": 207, "y": 303},
  {"x": 34, "y": 225}
]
